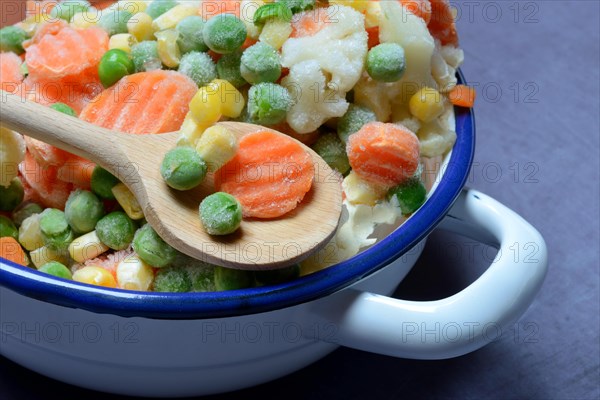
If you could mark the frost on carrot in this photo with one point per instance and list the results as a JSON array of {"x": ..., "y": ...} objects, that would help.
[
  {"x": 61, "y": 52},
  {"x": 137, "y": 103},
  {"x": 43, "y": 184},
  {"x": 442, "y": 24},
  {"x": 10, "y": 72},
  {"x": 384, "y": 154},
  {"x": 269, "y": 175}
]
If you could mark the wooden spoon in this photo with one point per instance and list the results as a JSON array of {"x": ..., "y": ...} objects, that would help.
[{"x": 135, "y": 160}]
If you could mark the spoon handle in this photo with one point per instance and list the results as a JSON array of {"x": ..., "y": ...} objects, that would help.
[{"x": 60, "y": 130}]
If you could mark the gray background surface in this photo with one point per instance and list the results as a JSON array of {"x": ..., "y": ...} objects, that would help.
[{"x": 536, "y": 64}]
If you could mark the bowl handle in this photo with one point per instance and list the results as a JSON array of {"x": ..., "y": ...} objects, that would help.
[{"x": 465, "y": 321}]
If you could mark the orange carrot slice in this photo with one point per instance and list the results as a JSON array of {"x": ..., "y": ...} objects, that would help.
[
  {"x": 76, "y": 94},
  {"x": 384, "y": 154},
  {"x": 76, "y": 170},
  {"x": 373, "y": 36},
  {"x": 462, "y": 96},
  {"x": 10, "y": 72},
  {"x": 61, "y": 51},
  {"x": 269, "y": 175},
  {"x": 442, "y": 24},
  {"x": 421, "y": 8},
  {"x": 44, "y": 183},
  {"x": 46, "y": 154},
  {"x": 12, "y": 250},
  {"x": 146, "y": 102},
  {"x": 310, "y": 22}
]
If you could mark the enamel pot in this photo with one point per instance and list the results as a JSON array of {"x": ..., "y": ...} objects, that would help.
[{"x": 171, "y": 344}]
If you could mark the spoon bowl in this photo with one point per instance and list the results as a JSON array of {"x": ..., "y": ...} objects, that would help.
[{"x": 135, "y": 159}]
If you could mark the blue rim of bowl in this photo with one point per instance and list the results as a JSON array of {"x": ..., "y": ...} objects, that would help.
[{"x": 199, "y": 305}]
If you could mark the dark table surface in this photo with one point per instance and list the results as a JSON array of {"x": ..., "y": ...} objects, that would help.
[{"x": 536, "y": 66}]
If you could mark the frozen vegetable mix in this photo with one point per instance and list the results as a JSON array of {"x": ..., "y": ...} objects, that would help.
[{"x": 370, "y": 86}]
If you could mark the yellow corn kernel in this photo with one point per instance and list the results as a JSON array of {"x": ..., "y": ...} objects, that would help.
[
  {"x": 140, "y": 26},
  {"x": 95, "y": 276},
  {"x": 205, "y": 106},
  {"x": 373, "y": 14},
  {"x": 216, "y": 146},
  {"x": 172, "y": 17},
  {"x": 358, "y": 5},
  {"x": 248, "y": 8},
  {"x": 44, "y": 255},
  {"x": 167, "y": 47},
  {"x": 190, "y": 131},
  {"x": 86, "y": 247},
  {"x": 232, "y": 101},
  {"x": 134, "y": 274},
  {"x": 128, "y": 201},
  {"x": 12, "y": 152},
  {"x": 122, "y": 41},
  {"x": 85, "y": 19},
  {"x": 359, "y": 191},
  {"x": 133, "y": 6},
  {"x": 275, "y": 32},
  {"x": 427, "y": 104},
  {"x": 30, "y": 235}
]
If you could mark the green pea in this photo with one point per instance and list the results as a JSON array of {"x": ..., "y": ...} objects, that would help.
[
  {"x": 151, "y": 248},
  {"x": 220, "y": 213},
  {"x": 116, "y": 230},
  {"x": 268, "y": 103},
  {"x": 57, "y": 269},
  {"x": 8, "y": 228},
  {"x": 190, "y": 34},
  {"x": 224, "y": 33},
  {"x": 24, "y": 211},
  {"x": 183, "y": 168},
  {"x": 260, "y": 63},
  {"x": 202, "y": 274},
  {"x": 231, "y": 279},
  {"x": 299, "y": 5},
  {"x": 145, "y": 56},
  {"x": 353, "y": 120},
  {"x": 333, "y": 151},
  {"x": 83, "y": 210},
  {"x": 102, "y": 183},
  {"x": 386, "y": 62},
  {"x": 228, "y": 68},
  {"x": 12, "y": 195},
  {"x": 172, "y": 279},
  {"x": 114, "y": 65},
  {"x": 199, "y": 67},
  {"x": 275, "y": 276},
  {"x": 158, "y": 7},
  {"x": 410, "y": 195},
  {"x": 12, "y": 38},
  {"x": 114, "y": 22},
  {"x": 66, "y": 9},
  {"x": 56, "y": 232},
  {"x": 272, "y": 10},
  {"x": 63, "y": 108}
]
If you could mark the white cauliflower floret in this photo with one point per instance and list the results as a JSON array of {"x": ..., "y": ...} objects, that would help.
[
  {"x": 443, "y": 73},
  {"x": 398, "y": 25},
  {"x": 12, "y": 152},
  {"x": 340, "y": 48},
  {"x": 314, "y": 102}
]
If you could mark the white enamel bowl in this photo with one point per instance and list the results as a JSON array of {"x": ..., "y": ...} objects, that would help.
[{"x": 168, "y": 344}]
